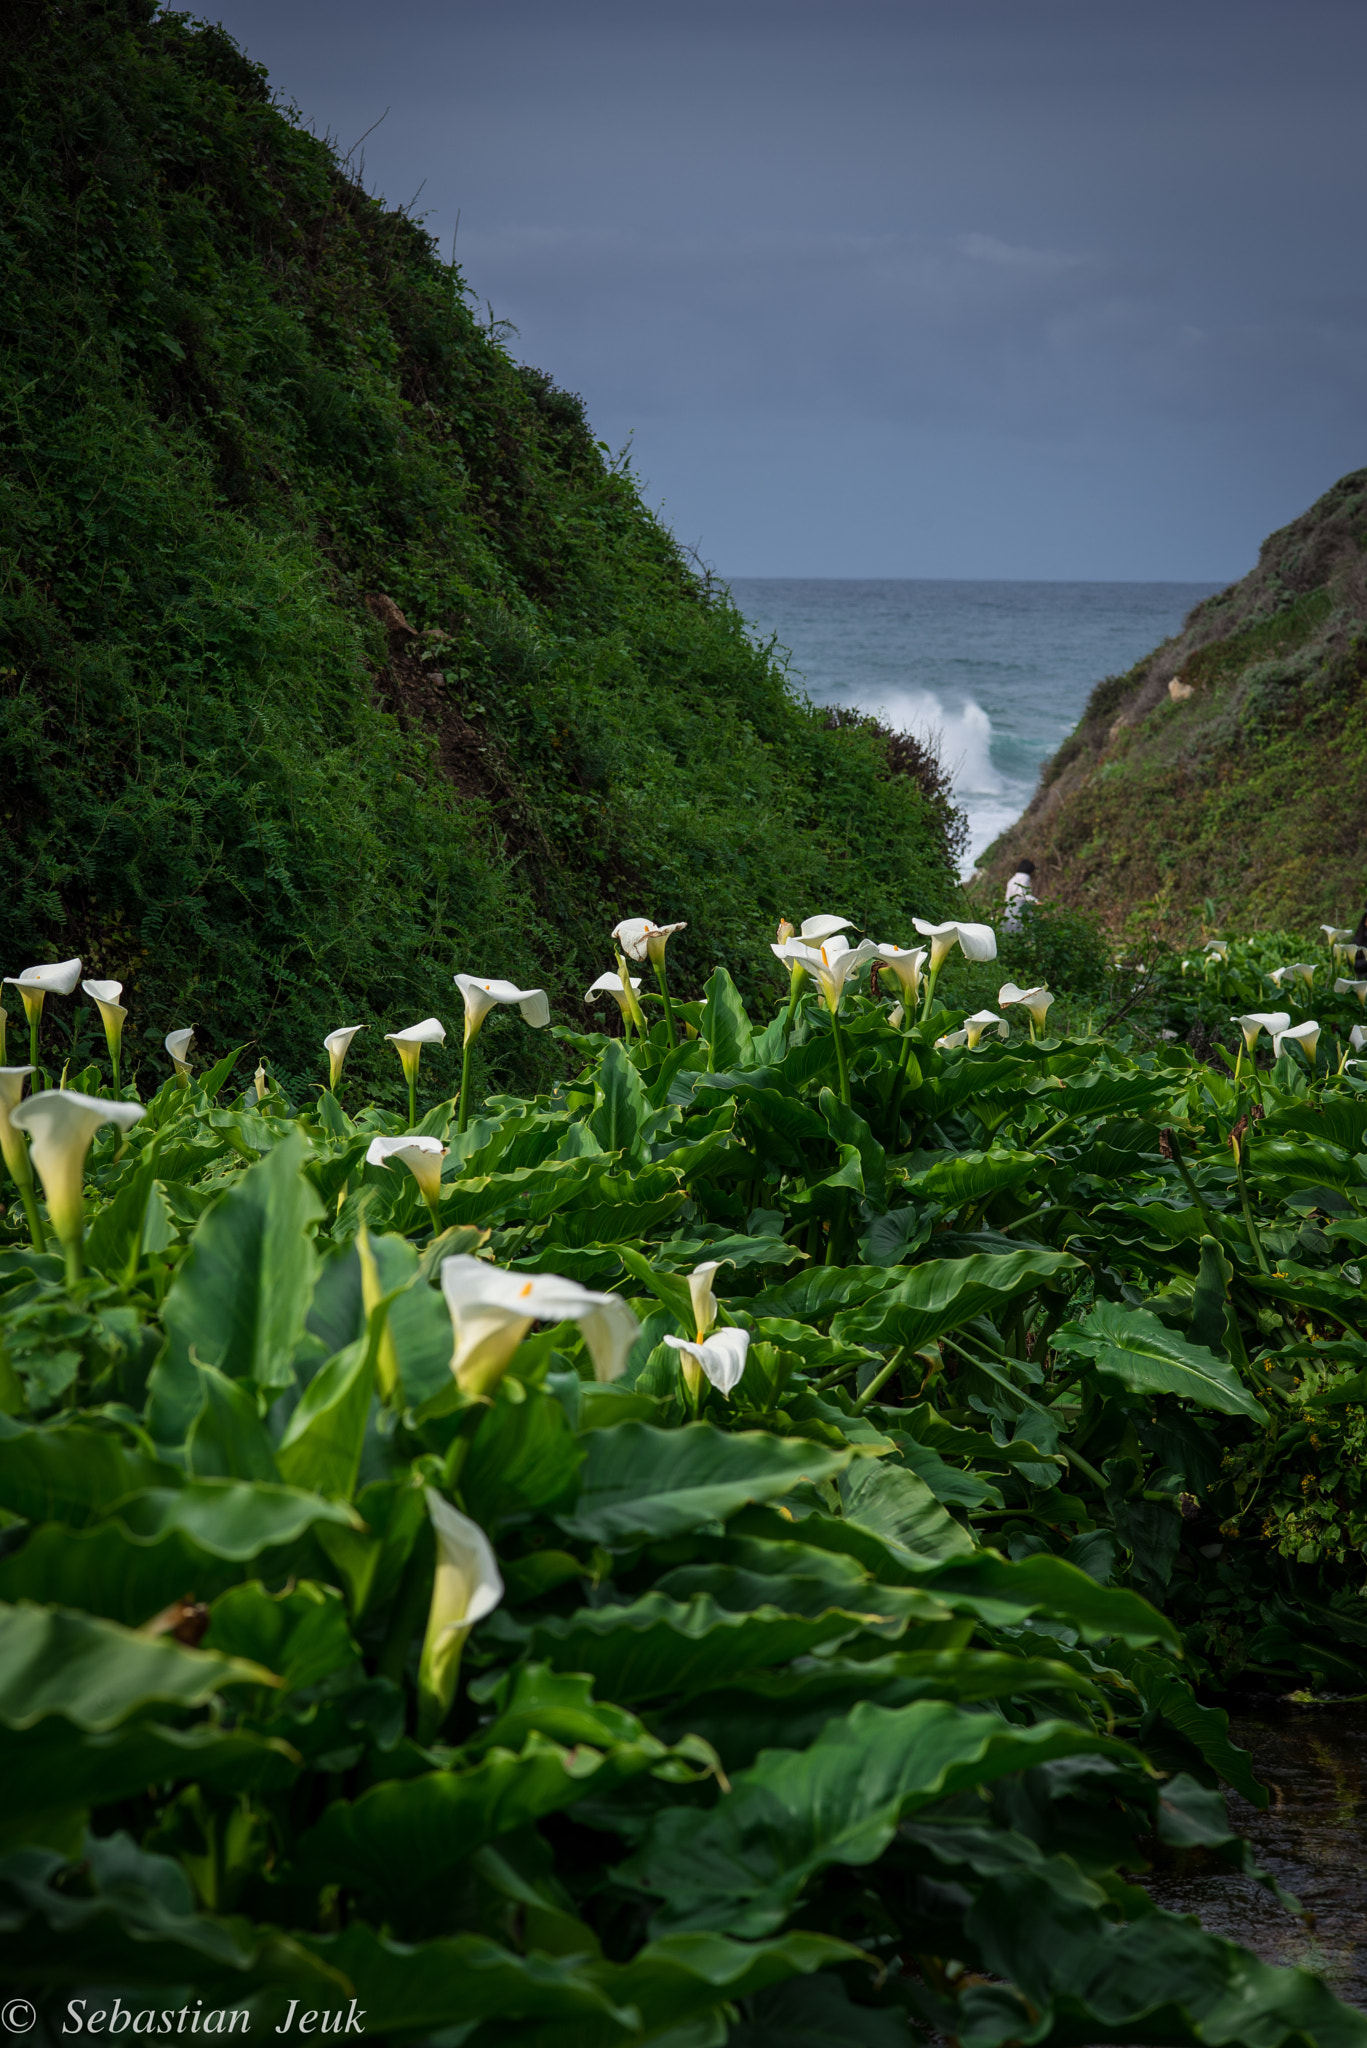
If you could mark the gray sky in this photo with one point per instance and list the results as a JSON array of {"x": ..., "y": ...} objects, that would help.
[{"x": 1002, "y": 288}]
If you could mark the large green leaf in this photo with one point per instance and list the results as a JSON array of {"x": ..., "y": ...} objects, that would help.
[
  {"x": 641, "y": 1483},
  {"x": 54, "y": 1766},
  {"x": 725, "y": 1026},
  {"x": 321, "y": 1448},
  {"x": 299, "y": 1633},
  {"x": 95, "y": 1674},
  {"x": 1131, "y": 1345},
  {"x": 71, "y": 1472},
  {"x": 620, "y": 1100},
  {"x": 227, "y": 1439},
  {"x": 943, "y": 1294},
  {"x": 229, "y": 1518},
  {"x": 240, "y": 1297},
  {"x": 968, "y": 1176},
  {"x": 900, "y": 1508},
  {"x": 744, "y": 1864}
]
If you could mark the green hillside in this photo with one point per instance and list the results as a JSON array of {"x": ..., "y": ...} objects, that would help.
[
  {"x": 337, "y": 654},
  {"x": 1231, "y": 763}
]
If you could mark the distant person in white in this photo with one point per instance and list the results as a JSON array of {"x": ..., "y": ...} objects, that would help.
[{"x": 1019, "y": 892}]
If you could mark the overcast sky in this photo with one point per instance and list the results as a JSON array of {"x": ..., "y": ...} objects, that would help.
[{"x": 967, "y": 288}]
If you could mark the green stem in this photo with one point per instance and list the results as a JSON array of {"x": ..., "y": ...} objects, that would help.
[
  {"x": 1180, "y": 1163},
  {"x": 879, "y": 1380},
  {"x": 1259, "y": 1254},
  {"x": 34, "y": 1015},
  {"x": 74, "y": 1263},
  {"x": 796, "y": 978},
  {"x": 464, "y": 1086},
  {"x": 663, "y": 980},
  {"x": 413, "y": 1101},
  {"x": 931, "y": 979},
  {"x": 35, "y": 1223},
  {"x": 841, "y": 1062},
  {"x": 1087, "y": 1471}
]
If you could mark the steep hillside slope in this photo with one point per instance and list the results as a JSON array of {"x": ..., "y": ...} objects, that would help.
[
  {"x": 337, "y": 654},
  {"x": 1231, "y": 763}
]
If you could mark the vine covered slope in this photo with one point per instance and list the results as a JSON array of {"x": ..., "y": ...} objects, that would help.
[
  {"x": 337, "y": 654},
  {"x": 1229, "y": 765}
]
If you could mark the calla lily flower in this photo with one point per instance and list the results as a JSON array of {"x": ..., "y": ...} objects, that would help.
[
  {"x": 482, "y": 996},
  {"x": 56, "y": 979},
  {"x": 1352, "y": 988},
  {"x": 952, "y": 1039},
  {"x": 336, "y": 1045},
  {"x": 1338, "y": 935},
  {"x": 906, "y": 966},
  {"x": 467, "y": 1587},
  {"x": 621, "y": 990},
  {"x": 1216, "y": 949},
  {"x": 642, "y": 940},
  {"x": 421, "y": 1155},
  {"x": 897, "y": 1016},
  {"x": 178, "y": 1045},
  {"x": 979, "y": 941},
  {"x": 492, "y": 1311},
  {"x": 61, "y": 1124},
  {"x": 639, "y": 939},
  {"x": 830, "y": 967},
  {"x": 1035, "y": 1000},
  {"x": 261, "y": 1081},
  {"x": 985, "y": 1020},
  {"x": 814, "y": 931},
  {"x": 105, "y": 996},
  {"x": 720, "y": 1357},
  {"x": 1255, "y": 1021},
  {"x": 1306, "y": 1035},
  {"x": 703, "y": 1299},
  {"x": 14, "y": 1148},
  {"x": 408, "y": 1045},
  {"x": 1303, "y": 968},
  {"x": 1357, "y": 1038}
]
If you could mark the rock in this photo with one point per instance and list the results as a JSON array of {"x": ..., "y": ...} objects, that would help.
[{"x": 1180, "y": 691}]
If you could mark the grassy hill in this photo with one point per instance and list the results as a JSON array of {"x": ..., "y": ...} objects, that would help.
[
  {"x": 1229, "y": 765},
  {"x": 336, "y": 654}
]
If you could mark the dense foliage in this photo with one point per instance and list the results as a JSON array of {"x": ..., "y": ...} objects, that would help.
[
  {"x": 333, "y": 647},
  {"x": 847, "y": 1672}
]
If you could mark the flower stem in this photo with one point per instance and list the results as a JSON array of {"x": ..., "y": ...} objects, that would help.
[
  {"x": 796, "y": 977},
  {"x": 34, "y": 1220},
  {"x": 879, "y": 1380},
  {"x": 841, "y": 1062},
  {"x": 931, "y": 979},
  {"x": 663, "y": 980},
  {"x": 74, "y": 1264},
  {"x": 1249, "y": 1226},
  {"x": 464, "y": 1086}
]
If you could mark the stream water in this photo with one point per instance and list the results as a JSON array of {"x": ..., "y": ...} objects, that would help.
[{"x": 1312, "y": 1837}]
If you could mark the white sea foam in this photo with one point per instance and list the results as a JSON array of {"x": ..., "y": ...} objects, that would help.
[{"x": 962, "y": 735}]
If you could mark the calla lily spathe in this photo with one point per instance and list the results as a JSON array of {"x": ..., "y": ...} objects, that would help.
[
  {"x": 421, "y": 1155},
  {"x": 467, "y": 1586},
  {"x": 979, "y": 941},
  {"x": 1357, "y": 1038},
  {"x": 14, "y": 1147},
  {"x": 408, "y": 1045},
  {"x": 830, "y": 965},
  {"x": 906, "y": 966},
  {"x": 60, "y": 1124},
  {"x": 984, "y": 1020},
  {"x": 1338, "y": 935},
  {"x": 482, "y": 996},
  {"x": 1303, "y": 969},
  {"x": 1035, "y": 1000},
  {"x": 1352, "y": 988},
  {"x": 640, "y": 939},
  {"x": 1255, "y": 1021},
  {"x": 1306, "y": 1036},
  {"x": 105, "y": 996},
  {"x": 57, "y": 978},
  {"x": 1216, "y": 949},
  {"x": 721, "y": 1357},
  {"x": 336, "y": 1045},
  {"x": 492, "y": 1311},
  {"x": 613, "y": 985},
  {"x": 178, "y": 1046},
  {"x": 952, "y": 1039}
]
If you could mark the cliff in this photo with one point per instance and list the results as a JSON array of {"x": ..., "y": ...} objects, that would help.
[
  {"x": 1229, "y": 766},
  {"x": 338, "y": 654}
]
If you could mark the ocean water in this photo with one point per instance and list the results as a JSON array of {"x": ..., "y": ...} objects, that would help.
[{"x": 997, "y": 672}]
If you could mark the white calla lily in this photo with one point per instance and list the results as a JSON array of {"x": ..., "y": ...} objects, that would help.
[
  {"x": 984, "y": 1020},
  {"x": 60, "y": 1124},
  {"x": 639, "y": 939},
  {"x": 408, "y": 1045},
  {"x": 467, "y": 1586},
  {"x": 979, "y": 941},
  {"x": 57, "y": 978},
  {"x": 906, "y": 966},
  {"x": 178, "y": 1046},
  {"x": 492, "y": 1311},
  {"x": 952, "y": 1039},
  {"x": 1352, "y": 988},
  {"x": 1306, "y": 1036},
  {"x": 1255, "y": 1021},
  {"x": 1357, "y": 1038},
  {"x": 1035, "y": 1001},
  {"x": 1338, "y": 935},
  {"x": 720, "y": 1358},
  {"x": 14, "y": 1148},
  {"x": 1216, "y": 949},
  {"x": 620, "y": 990},
  {"x": 831, "y": 966},
  {"x": 480, "y": 997},
  {"x": 336, "y": 1045},
  {"x": 421, "y": 1155},
  {"x": 897, "y": 1016},
  {"x": 703, "y": 1299},
  {"x": 1302, "y": 970},
  {"x": 814, "y": 931},
  {"x": 105, "y": 996}
]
